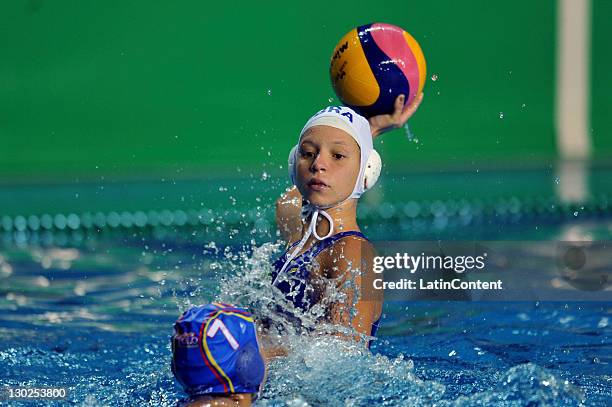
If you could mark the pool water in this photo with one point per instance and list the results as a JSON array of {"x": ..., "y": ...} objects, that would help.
[{"x": 93, "y": 312}]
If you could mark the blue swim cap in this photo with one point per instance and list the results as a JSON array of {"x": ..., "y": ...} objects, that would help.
[{"x": 215, "y": 351}]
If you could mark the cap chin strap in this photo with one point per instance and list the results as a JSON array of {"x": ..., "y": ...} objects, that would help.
[{"x": 315, "y": 211}]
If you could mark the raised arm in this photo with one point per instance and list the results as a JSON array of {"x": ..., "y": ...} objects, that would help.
[{"x": 386, "y": 122}]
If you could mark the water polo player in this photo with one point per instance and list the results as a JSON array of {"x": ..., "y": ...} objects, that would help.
[
  {"x": 332, "y": 165},
  {"x": 216, "y": 356}
]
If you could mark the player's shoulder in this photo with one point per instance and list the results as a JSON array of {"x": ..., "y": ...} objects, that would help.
[
  {"x": 357, "y": 243},
  {"x": 348, "y": 252}
]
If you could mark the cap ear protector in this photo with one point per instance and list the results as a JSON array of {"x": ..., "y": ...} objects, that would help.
[
  {"x": 370, "y": 174},
  {"x": 372, "y": 170}
]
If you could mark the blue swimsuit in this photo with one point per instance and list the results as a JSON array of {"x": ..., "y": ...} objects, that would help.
[{"x": 296, "y": 288}]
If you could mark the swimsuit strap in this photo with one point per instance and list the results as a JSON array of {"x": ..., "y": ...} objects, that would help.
[
  {"x": 283, "y": 257},
  {"x": 322, "y": 244}
]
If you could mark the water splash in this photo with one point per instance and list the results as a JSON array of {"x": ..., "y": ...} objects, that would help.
[
  {"x": 409, "y": 134},
  {"x": 330, "y": 371},
  {"x": 250, "y": 286},
  {"x": 527, "y": 384}
]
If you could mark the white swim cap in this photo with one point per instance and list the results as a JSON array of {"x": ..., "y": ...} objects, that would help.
[{"x": 346, "y": 119}]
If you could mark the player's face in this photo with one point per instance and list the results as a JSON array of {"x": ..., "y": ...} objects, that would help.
[{"x": 327, "y": 165}]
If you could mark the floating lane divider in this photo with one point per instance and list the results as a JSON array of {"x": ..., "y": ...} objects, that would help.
[{"x": 507, "y": 209}]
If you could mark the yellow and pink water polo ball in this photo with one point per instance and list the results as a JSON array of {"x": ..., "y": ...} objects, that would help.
[{"x": 373, "y": 64}]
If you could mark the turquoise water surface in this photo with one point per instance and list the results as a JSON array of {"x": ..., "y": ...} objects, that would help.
[{"x": 87, "y": 302}]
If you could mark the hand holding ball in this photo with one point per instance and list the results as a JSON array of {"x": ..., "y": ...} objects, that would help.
[{"x": 373, "y": 64}]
